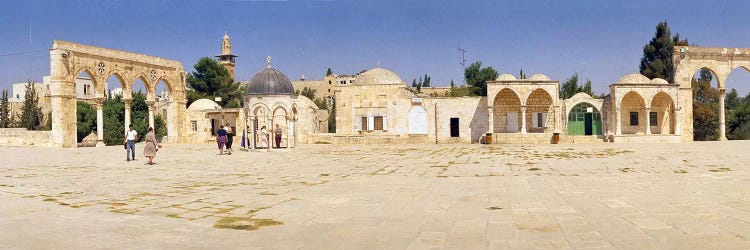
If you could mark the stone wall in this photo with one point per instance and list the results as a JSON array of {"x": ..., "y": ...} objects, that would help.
[{"x": 21, "y": 136}]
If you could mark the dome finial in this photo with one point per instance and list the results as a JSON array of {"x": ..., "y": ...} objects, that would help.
[{"x": 268, "y": 60}]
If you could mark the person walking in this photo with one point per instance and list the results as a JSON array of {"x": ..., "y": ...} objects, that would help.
[
  {"x": 264, "y": 137},
  {"x": 278, "y": 136},
  {"x": 230, "y": 138},
  {"x": 221, "y": 139},
  {"x": 150, "y": 149},
  {"x": 130, "y": 136}
]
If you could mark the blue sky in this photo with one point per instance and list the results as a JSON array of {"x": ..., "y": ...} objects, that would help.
[{"x": 602, "y": 40}]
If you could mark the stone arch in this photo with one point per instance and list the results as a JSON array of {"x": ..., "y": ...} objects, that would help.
[
  {"x": 632, "y": 118},
  {"x": 539, "y": 113},
  {"x": 662, "y": 107},
  {"x": 68, "y": 59},
  {"x": 506, "y": 110},
  {"x": 417, "y": 120},
  {"x": 689, "y": 59}
]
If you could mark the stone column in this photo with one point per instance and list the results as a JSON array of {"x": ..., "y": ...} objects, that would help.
[
  {"x": 127, "y": 113},
  {"x": 271, "y": 135},
  {"x": 676, "y": 120},
  {"x": 554, "y": 119},
  {"x": 491, "y": 118},
  {"x": 64, "y": 119},
  {"x": 648, "y": 121},
  {"x": 252, "y": 131},
  {"x": 722, "y": 124},
  {"x": 617, "y": 121},
  {"x": 523, "y": 119},
  {"x": 288, "y": 131},
  {"x": 100, "y": 122},
  {"x": 151, "y": 114}
]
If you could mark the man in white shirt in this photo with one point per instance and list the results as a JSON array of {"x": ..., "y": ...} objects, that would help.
[{"x": 130, "y": 137}]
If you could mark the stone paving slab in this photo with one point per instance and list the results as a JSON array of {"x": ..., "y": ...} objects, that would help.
[{"x": 598, "y": 196}]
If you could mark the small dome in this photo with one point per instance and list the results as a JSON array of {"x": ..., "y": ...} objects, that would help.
[
  {"x": 633, "y": 78},
  {"x": 378, "y": 76},
  {"x": 269, "y": 82},
  {"x": 539, "y": 77},
  {"x": 203, "y": 104},
  {"x": 658, "y": 81},
  {"x": 506, "y": 77}
]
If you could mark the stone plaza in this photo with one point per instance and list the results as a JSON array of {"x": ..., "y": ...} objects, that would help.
[{"x": 446, "y": 196}]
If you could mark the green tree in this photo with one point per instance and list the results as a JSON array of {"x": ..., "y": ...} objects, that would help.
[
  {"x": 413, "y": 82},
  {"x": 426, "y": 83},
  {"x": 571, "y": 87},
  {"x": 732, "y": 100},
  {"x": 705, "y": 108},
  {"x": 329, "y": 72},
  {"x": 332, "y": 118},
  {"x": 160, "y": 127},
  {"x": 419, "y": 85},
  {"x": 453, "y": 85},
  {"x": 657, "y": 54},
  {"x": 114, "y": 117},
  {"x": 86, "y": 119},
  {"x": 309, "y": 93},
  {"x": 5, "y": 110},
  {"x": 477, "y": 77},
  {"x": 31, "y": 113},
  {"x": 210, "y": 79}
]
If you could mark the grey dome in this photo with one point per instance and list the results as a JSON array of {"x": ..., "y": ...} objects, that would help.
[{"x": 269, "y": 82}]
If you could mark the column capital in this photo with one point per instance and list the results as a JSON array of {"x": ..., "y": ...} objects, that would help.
[
  {"x": 151, "y": 105},
  {"x": 127, "y": 102},
  {"x": 99, "y": 102}
]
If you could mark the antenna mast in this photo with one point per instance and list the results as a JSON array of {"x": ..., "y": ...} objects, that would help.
[{"x": 463, "y": 59}]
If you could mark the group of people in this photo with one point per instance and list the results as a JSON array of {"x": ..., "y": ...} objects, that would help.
[
  {"x": 225, "y": 135},
  {"x": 149, "y": 150}
]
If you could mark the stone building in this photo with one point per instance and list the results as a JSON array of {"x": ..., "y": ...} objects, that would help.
[{"x": 270, "y": 102}]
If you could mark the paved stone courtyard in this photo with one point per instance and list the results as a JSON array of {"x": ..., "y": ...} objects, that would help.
[{"x": 597, "y": 196}]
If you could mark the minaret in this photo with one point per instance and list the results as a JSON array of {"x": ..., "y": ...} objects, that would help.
[{"x": 226, "y": 58}]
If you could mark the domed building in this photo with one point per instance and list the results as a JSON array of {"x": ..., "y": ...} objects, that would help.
[
  {"x": 270, "y": 103},
  {"x": 643, "y": 110}
]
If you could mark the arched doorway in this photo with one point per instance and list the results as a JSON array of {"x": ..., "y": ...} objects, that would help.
[
  {"x": 506, "y": 112},
  {"x": 417, "y": 121},
  {"x": 539, "y": 112},
  {"x": 279, "y": 121},
  {"x": 584, "y": 119},
  {"x": 632, "y": 118},
  {"x": 661, "y": 115}
]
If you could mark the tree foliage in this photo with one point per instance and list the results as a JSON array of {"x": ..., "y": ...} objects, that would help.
[
  {"x": 571, "y": 86},
  {"x": 5, "y": 117},
  {"x": 477, "y": 77},
  {"x": 114, "y": 119},
  {"x": 86, "y": 120},
  {"x": 310, "y": 94},
  {"x": 210, "y": 80},
  {"x": 329, "y": 72},
  {"x": 657, "y": 54},
  {"x": 332, "y": 118},
  {"x": 705, "y": 108},
  {"x": 31, "y": 113}
]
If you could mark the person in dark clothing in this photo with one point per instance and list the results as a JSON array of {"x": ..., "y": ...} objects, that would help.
[
  {"x": 278, "y": 136},
  {"x": 230, "y": 136},
  {"x": 221, "y": 139}
]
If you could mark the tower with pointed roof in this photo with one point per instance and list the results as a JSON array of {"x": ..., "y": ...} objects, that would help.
[{"x": 226, "y": 58}]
